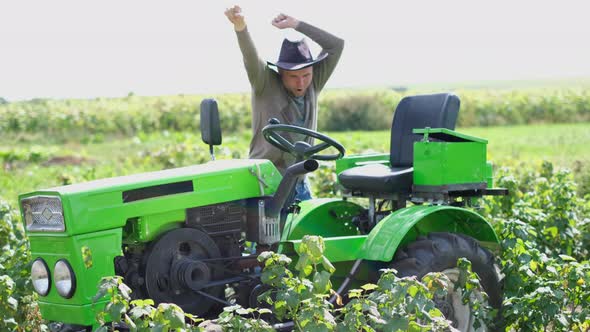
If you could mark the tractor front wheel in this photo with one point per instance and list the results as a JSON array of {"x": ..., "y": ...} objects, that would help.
[{"x": 439, "y": 252}]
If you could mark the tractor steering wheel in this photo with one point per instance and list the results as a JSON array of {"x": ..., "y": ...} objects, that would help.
[{"x": 300, "y": 149}]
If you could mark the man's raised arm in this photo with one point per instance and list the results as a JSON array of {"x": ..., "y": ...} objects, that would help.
[{"x": 255, "y": 66}]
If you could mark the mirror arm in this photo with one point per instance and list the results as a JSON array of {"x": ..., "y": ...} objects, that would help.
[{"x": 211, "y": 152}]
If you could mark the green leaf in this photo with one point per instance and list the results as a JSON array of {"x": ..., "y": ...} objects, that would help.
[
  {"x": 415, "y": 327},
  {"x": 13, "y": 303},
  {"x": 130, "y": 323},
  {"x": 328, "y": 265},
  {"x": 105, "y": 287},
  {"x": 321, "y": 282},
  {"x": 562, "y": 320},
  {"x": 173, "y": 314},
  {"x": 544, "y": 290},
  {"x": 125, "y": 291},
  {"x": 567, "y": 258},
  {"x": 245, "y": 311},
  {"x": 144, "y": 302},
  {"x": 292, "y": 299},
  {"x": 533, "y": 265},
  {"x": 553, "y": 231},
  {"x": 304, "y": 265},
  {"x": 263, "y": 311},
  {"x": 141, "y": 311},
  {"x": 232, "y": 308},
  {"x": 280, "y": 304},
  {"x": 159, "y": 328},
  {"x": 284, "y": 260},
  {"x": 116, "y": 310},
  {"x": 354, "y": 293},
  {"x": 315, "y": 246},
  {"x": 265, "y": 255},
  {"x": 369, "y": 287},
  {"x": 398, "y": 324},
  {"x": 413, "y": 290}
]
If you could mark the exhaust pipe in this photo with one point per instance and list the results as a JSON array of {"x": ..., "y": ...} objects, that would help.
[
  {"x": 287, "y": 186},
  {"x": 264, "y": 225}
]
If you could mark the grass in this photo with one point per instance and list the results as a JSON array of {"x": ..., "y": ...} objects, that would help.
[{"x": 566, "y": 145}]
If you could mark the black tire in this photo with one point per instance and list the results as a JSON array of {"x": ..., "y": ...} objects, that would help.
[{"x": 438, "y": 252}]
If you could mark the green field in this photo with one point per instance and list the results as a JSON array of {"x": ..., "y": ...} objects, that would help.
[
  {"x": 542, "y": 225},
  {"x": 28, "y": 166},
  {"x": 566, "y": 145}
]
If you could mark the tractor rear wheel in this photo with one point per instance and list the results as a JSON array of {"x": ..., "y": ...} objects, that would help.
[{"x": 439, "y": 252}]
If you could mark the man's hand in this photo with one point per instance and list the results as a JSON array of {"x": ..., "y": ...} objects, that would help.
[
  {"x": 234, "y": 14},
  {"x": 283, "y": 21}
]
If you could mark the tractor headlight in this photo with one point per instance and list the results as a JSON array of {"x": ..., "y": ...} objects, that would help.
[
  {"x": 40, "y": 277},
  {"x": 64, "y": 278},
  {"x": 43, "y": 213}
]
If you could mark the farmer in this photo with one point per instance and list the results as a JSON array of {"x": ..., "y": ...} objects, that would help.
[{"x": 289, "y": 91}]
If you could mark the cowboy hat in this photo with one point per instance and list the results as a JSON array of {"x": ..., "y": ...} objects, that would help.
[{"x": 296, "y": 55}]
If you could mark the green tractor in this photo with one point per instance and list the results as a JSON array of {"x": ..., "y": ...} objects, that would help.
[{"x": 184, "y": 235}]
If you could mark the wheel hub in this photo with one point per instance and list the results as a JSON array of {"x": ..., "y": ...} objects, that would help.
[
  {"x": 190, "y": 274},
  {"x": 175, "y": 271}
]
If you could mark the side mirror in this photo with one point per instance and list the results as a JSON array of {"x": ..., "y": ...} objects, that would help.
[{"x": 210, "y": 128}]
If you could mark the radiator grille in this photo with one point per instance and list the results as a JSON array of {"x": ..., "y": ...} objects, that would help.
[{"x": 218, "y": 219}]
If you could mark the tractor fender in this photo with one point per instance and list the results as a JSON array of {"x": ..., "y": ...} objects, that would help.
[
  {"x": 405, "y": 225},
  {"x": 326, "y": 217}
]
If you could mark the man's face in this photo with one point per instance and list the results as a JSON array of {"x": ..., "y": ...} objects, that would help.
[{"x": 297, "y": 81}]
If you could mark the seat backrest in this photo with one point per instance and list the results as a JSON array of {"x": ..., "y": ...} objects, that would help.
[{"x": 434, "y": 110}]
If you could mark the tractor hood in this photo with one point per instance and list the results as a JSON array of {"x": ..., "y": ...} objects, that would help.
[
  {"x": 137, "y": 181},
  {"x": 109, "y": 203}
]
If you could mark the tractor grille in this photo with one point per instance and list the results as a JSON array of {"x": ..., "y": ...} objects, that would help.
[{"x": 218, "y": 219}]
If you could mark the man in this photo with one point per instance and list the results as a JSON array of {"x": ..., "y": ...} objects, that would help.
[{"x": 290, "y": 93}]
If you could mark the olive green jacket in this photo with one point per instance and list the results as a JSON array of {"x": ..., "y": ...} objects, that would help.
[{"x": 270, "y": 99}]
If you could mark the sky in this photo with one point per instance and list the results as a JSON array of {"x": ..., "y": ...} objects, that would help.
[{"x": 109, "y": 48}]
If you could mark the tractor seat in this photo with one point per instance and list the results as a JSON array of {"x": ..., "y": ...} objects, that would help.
[
  {"x": 377, "y": 178},
  {"x": 433, "y": 110}
]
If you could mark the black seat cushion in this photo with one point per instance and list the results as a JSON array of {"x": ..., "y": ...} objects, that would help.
[{"x": 377, "y": 178}]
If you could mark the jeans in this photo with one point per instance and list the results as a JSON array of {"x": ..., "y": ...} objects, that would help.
[{"x": 302, "y": 191}]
